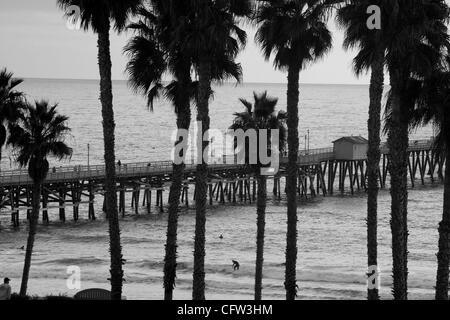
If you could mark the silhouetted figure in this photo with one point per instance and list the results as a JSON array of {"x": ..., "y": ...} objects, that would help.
[
  {"x": 235, "y": 265},
  {"x": 119, "y": 163},
  {"x": 221, "y": 237},
  {"x": 5, "y": 290}
]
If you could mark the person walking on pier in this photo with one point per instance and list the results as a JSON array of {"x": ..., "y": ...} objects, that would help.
[{"x": 5, "y": 290}]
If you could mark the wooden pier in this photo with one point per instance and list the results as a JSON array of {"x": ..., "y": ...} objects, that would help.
[{"x": 77, "y": 187}]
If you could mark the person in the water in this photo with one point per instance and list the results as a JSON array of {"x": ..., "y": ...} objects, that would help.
[{"x": 235, "y": 265}]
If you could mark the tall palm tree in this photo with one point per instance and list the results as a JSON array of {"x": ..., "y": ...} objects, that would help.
[
  {"x": 353, "y": 17},
  {"x": 295, "y": 32},
  {"x": 434, "y": 108},
  {"x": 154, "y": 51},
  {"x": 260, "y": 115},
  {"x": 417, "y": 35},
  {"x": 213, "y": 33},
  {"x": 98, "y": 15},
  {"x": 38, "y": 133},
  {"x": 11, "y": 103}
]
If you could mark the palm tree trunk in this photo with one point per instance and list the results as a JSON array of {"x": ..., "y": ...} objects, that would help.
[
  {"x": 260, "y": 225},
  {"x": 398, "y": 145},
  {"x": 198, "y": 291},
  {"x": 443, "y": 255},
  {"x": 106, "y": 97},
  {"x": 291, "y": 182},
  {"x": 170, "y": 261},
  {"x": 31, "y": 235},
  {"x": 2, "y": 141},
  {"x": 373, "y": 166}
]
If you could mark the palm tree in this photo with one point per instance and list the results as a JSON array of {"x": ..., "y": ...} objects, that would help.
[
  {"x": 213, "y": 34},
  {"x": 371, "y": 53},
  {"x": 98, "y": 15},
  {"x": 416, "y": 37},
  {"x": 260, "y": 115},
  {"x": 433, "y": 108},
  {"x": 295, "y": 32},
  {"x": 155, "y": 51},
  {"x": 11, "y": 103},
  {"x": 152, "y": 53},
  {"x": 37, "y": 134}
]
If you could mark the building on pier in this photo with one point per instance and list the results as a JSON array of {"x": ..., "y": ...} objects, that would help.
[{"x": 351, "y": 148}]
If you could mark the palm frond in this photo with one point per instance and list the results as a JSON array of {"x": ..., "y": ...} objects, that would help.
[
  {"x": 98, "y": 14},
  {"x": 293, "y": 32},
  {"x": 38, "y": 133}
]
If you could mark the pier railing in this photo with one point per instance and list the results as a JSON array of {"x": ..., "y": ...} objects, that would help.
[
  {"x": 70, "y": 173},
  {"x": 78, "y": 172},
  {"x": 414, "y": 145},
  {"x": 315, "y": 156},
  {"x": 140, "y": 169}
]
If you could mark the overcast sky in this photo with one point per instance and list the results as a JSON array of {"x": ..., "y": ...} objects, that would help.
[{"x": 35, "y": 43}]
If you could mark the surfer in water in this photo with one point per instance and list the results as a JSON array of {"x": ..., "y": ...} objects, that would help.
[{"x": 235, "y": 265}]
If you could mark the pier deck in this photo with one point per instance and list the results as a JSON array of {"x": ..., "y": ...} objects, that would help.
[
  {"x": 145, "y": 169},
  {"x": 319, "y": 172}
]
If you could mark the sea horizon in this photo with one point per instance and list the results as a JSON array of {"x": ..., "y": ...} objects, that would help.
[{"x": 215, "y": 83}]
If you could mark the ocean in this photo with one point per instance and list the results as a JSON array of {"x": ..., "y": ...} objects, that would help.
[{"x": 332, "y": 230}]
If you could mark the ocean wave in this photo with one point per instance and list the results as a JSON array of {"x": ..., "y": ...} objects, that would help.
[
  {"x": 158, "y": 265},
  {"x": 91, "y": 238},
  {"x": 73, "y": 261}
]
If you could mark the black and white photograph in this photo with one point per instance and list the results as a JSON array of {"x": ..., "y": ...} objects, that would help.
[{"x": 237, "y": 151}]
